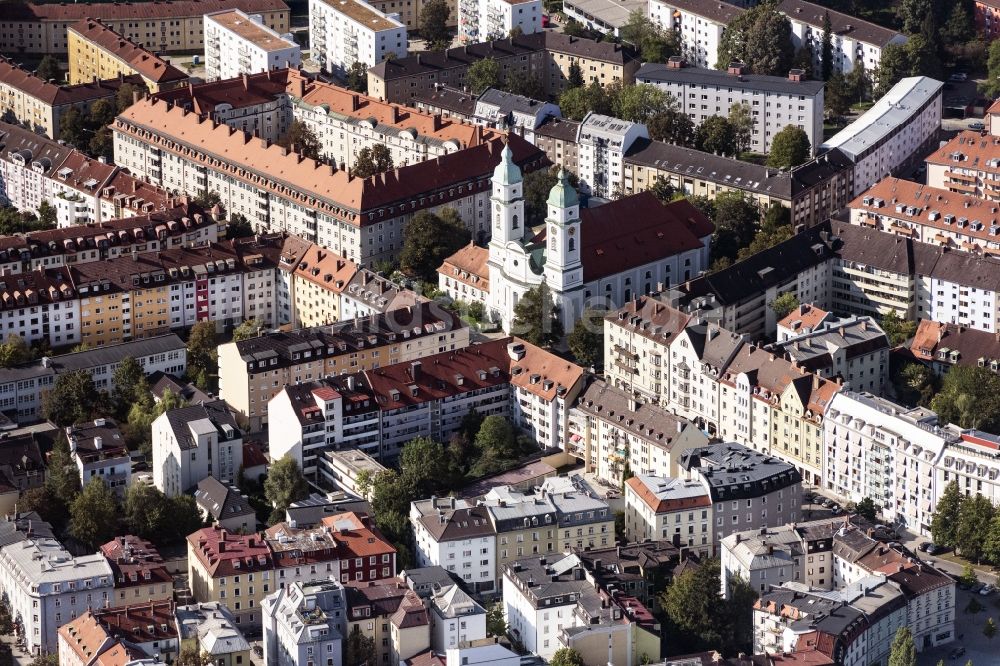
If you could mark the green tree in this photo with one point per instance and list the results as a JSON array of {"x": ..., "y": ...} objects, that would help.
[
  {"x": 47, "y": 214},
  {"x": 537, "y": 317},
  {"x": 496, "y": 443},
  {"x": 373, "y": 160},
  {"x": 430, "y": 239},
  {"x": 248, "y": 329},
  {"x": 913, "y": 12},
  {"x": 575, "y": 77},
  {"x": 575, "y": 103},
  {"x": 357, "y": 78},
  {"x": 496, "y": 624},
  {"x": 45, "y": 659},
  {"x": 359, "y": 649},
  {"x": 191, "y": 654},
  {"x": 696, "y": 610},
  {"x": 968, "y": 577},
  {"x": 789, "y": 148},
  {"x": 238, "y": 227},
  {"x": 637, "y": 103},
  {"x": 434, "y": 23},
  {"x": 49, "y": 70},
  {"x": 94, "y": 514},
  {"x": 284, "y": 485},
  {"x": 524, "y": 84},
  {"x": 903, "y": 651},
  {"x": 913, "y": 383},
  {"x": 586, "y": 340},
  {"x": 826, "y": 52},
  {"x": 897, "y": 329},
  {"x": 426, "y": 466},
  {"x": 867, "y": 509},
  {"x": 974, "y": 522},
  {"x": 837, "y": 97},
  {"x": 776, "y": 227},
  {"x": 653, "y": 43},
  {"x": 483, "y": 74},
  {"x": 716, "y": 135},
  {"x": 185, "y": 519},
  {"x": 126, "y": 95},
  {"x": 960, "y": 26},
  {"x": 663, "y": 190},
  {"x": 301, "y": 139},
  {"x": 859, "y": 83},
  {"x": 944, "y": 522},
  {"x": 537, "y": 185},
  {"x": 970, "y": 397},
  {"x": 566, "y": 657},
  {"x": 207, "y": 199},
  {"x": 72, "y": 129},
  {"x": 146, "y": 511},
  {"x": 741, "y": 120},
  {"x": 72, "y": 399},
  {"x": 991, "y": 544},
  {"x": 784, "y": 304},
  {"x": 990, "y": 629},
  {"x": 991, "y": 86},
  {"x": 672, "y": 126},
  {"x": 736, "y": 219},
  {"x": 101, "y": 114},
  {"x": 129, "y": 385},
  {"x": 761, "y": 38},
  {"x": 14, "y": 351},
  {"x": 202, "y": 354}
]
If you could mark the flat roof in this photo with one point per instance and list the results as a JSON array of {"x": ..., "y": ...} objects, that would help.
[
  {"x": 653, "y": 72},
  {"x": 614, "y": 13},
  {"x": 894, "y": 109},
  {"x": 365, "y": 14},
  {"x": 245, "y": 27}
]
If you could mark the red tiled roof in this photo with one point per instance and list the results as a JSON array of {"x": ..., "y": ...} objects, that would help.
[
  {"x": 85, "y": 637},
  {"x": 222, "y": 553},
  {"x": 140, "y": 623},
  {"x": 468, "y": 265},
  {"x": 131, "y": 556},
  {"x": 253, "y": 455},
  {"x": 356, "y": 539},
  {"x": 56, "y": 95},
  {"x": 650, "y": 499},
  {"x": 147, "y": 64}
]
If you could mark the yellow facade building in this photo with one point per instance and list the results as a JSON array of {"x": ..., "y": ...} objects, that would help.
[{"x": 98, "y": 52}]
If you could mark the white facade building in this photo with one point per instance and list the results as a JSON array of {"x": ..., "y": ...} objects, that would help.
[
  {"x": 304, "y": 623},
  {"x": 195, "y": 442},
  {"x": 343, "y": 32},
  {"x": 46, "y": 587},
  {"x": 699, "y": 25},
  {"x": 458, "y": 536},
  {"x": 602, "y": 142},
  {"x": 237, "y": 43},
  {"x": 775, "y": 102},
  {"x": 456, "y": 618},
  {"x": 98, "y": 449},
  {"x": 486, "y": 20},
  {"x": 896, "y": 132}
]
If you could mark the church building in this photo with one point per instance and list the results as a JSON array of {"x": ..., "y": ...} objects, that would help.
[{"x": 588, "y": 257}]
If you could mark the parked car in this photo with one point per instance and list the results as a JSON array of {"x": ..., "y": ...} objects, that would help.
[
  {"x": 978, "y": 126},
  {"x": 933, "y": 549},
  {"x": 924, "y": 546},
  {"x": 956, "y": 653},
  {"x": 836, "y": 510},
  {"x": 987, "y": 590},
  {"x": 959, "y": 76}
]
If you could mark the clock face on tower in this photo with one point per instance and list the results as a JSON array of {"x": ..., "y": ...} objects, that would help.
[
  {"x": 554, "y": 231},
  {"x": 572, "y": 231}
]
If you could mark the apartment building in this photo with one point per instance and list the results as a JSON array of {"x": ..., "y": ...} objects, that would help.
[
  {"x": 83, "y": 640},
  {"x": 361, "y": 220},
  {"x": 895, "y": 133},
  {"x": 45, "y": 586},
  {"x": 22, "y": 387},
  {"x": 812, "y": 191},
  {"x": 671, "y": 509},
  {"x": 967, "y": 165},
  {"x": 194, "y": 442},
  {"x": 98, "y": 449},
  {"x": 174, "y": 27},
  {"x": 456, "y": 619},
  {"x": 988, "y": 17},
  {"x": 225, "y": 506},
  {"x": 555, "y": 517},
  {"x": 301, "y": 555},
  {"x": 238, "y": 43},
  {"x": 211, "y": 628},
  {"x": 552, "y": 602},
  {"x": 699, "y": 26},
  {"x": 601, "y": 144},
  {"x": 457, "y": 535},
  {"x": 365, "y": 555},
  {"x": 40, "y": 105},
  {"x": 253, "y": 371},
  {"x": 493, "y": 108},
  {"x": 853, "y": 350},
  {"x": 22, "y": 467},
  {"x": 546, "y": 55},
  {"x": 392, "y": 616},
  {"x": 610, "y": 429},
  {"x": 875, "y": 448},
  {"x": 465, "y": 277},
  {"x": 856, "y": 42},
  {"x": 348, "y": 470},
  {"x": 804, "y": 319},
  {"x": 348, "y": 31},
  {"x": 98, "y": 52},
  {"x": 775, "y": 102},
  {"x": 232, "y": 569},
  {"x": 305, "y": 622},
  {"x": 140, "y": 575},
  {"x": 486, "y": 20},
  {"x": 942, "y": 346},
  {"x": 380, "y": 410}
]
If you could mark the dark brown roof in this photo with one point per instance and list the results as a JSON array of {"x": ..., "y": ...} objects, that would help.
[
  {"x": 13, "y": 75},
  {"x": 135, "y": 562},
  {"x": 716, "y": 10},
  {"x": 454, "y": 524},
  {"x": 970, "y": 344},
  {"x": 68, "y": 11},
  {"x": 142, "y": 61},
  {"x": 558, "y": 128},
  {"x": 842, "y": 24}
]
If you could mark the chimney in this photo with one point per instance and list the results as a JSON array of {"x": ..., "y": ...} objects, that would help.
[
  {"x": 795, "y": 75},
  {"x": 415, "y": 370},
  {"x": 736, "y": 68}
]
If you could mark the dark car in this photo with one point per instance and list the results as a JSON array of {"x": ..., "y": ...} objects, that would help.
[
  {"x": 933, "y": 549},
  {"x": 924, "y": 546},
  {"x": 956, "y": 653}
]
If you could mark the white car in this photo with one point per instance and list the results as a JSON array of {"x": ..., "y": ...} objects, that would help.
[
  {"x": 959, "y": 76},
  {"x": 987, "y": 590}
]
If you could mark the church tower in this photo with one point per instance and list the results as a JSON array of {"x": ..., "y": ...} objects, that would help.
[
  {"x": 507, "y": 200},
  {"x": 563, "y": 270}
]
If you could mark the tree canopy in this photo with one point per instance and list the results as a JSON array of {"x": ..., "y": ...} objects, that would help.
[
  {"x": 430, "y": 238},
  {"x": 372, "y": 160},
  {"x": 789, "y": 148},
  {"x": 433, "y": 23},
  {"x": 248, "y": 329},
  {"x": 760, "y": 38},
  {"x": 903, "y": 651},
  {"x": 537, "y": 185},
  {"x": 537, "y": 317},
  {"x": 284, "y": 484},
  {"x": 672, "y": 126},
  {"x": 357, "y": 78},
  {"x": 94, "y": 514},
  {"x": 566, "y": 657},
  {"x": 482, "y": 74},
  {"x": 302, "y": 139},
  {"x": 202, "y": 354},
  {"x": 73, "y": 399},
  {"x": 702, "y": 616},
  {"x": 637, "y": 103},
  {"x": 784, "y": 304},
  {"x": 586, "y": 340},
  {"x": 716, "y": 135},
  {"x": 969, "y": 397}
]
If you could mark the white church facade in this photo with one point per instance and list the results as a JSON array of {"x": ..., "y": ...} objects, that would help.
[{"x": 588, "y": 257}]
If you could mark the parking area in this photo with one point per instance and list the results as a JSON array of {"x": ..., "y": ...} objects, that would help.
[{"x": 969, "y": 626}]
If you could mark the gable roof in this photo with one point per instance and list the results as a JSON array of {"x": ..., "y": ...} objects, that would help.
[
  {"x": 145, "y": 63},
  {"x": 220, "y": 501}
]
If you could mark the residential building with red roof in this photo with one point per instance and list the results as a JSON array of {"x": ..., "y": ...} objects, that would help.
[
  {"x": 40, "y": 105},
  {"x": 392, "y": 615},
  {"x": 465, "y": 275},
  {"x": 360, "y": 219},
  {"x": 149, "y": 626},
  {"x": 672, "y": 509},
  {"x": 98, "y": 52},
  {"x": 233, "y": 569},
  {"x": 606, "y": 254},
  {"x": 803, "y": 319},
  {"x": 365, "y": 555},
  {"x": 237, "y": 43},
  {"x": 140, "y": 573},
  {"x": 176, "y": 26},
  {"x": 301, "y": 555}
]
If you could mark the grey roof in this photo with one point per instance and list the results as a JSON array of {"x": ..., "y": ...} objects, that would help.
[
  {"x": 22, "y": 526},
  {"x": 560, "y": 128},
  {"x": 217, "y": 412},
  {"x": 453, "y": 519},
  {"x": 649, "y": 422},
  {"x": 653, "y": 72},
  {"x": 729, "y": 468},
  {"x": 312, "y": 510},
  {"x": 159, "y": 382},
  {"x": 221, "y": 501},
  {"x": 426, "y": 580},
  {"x": 841, "y": 24},
  {"x": 613, "y": 13},
  {"x": 717, "y": 10},
  {"x": 452, "y": 601},
  {"x": 509, "y": 102},
  {"x": 455, "y": 100},
  {"x": 856, "y": 335},
  {"x": 548, "y": 577}
]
